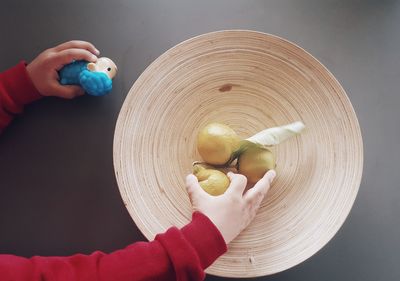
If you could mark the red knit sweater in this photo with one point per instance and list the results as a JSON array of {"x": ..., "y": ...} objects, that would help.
[{"x": 178, "y": 254}]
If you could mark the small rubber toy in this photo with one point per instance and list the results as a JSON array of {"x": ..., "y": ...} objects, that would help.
[{"x": 94, "y": 78}]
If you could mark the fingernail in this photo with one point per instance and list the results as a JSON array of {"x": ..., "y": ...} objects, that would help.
[
  {"x": 97, "y": 52},
  {"x": 273, "y": 175}
]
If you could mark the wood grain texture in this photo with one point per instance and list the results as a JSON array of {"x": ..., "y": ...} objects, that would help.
[{"x": 249, "y": 81}]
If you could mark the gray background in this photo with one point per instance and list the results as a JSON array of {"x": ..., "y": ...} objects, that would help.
[{"x": 58, "y": 193}]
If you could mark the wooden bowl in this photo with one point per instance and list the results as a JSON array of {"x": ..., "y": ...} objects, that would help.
[{"x": 250, "y": 81}]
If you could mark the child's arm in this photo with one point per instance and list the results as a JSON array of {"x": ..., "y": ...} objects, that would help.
[
  {"x": 23, "y": 84},
  {"x": 175, "y": 255}
]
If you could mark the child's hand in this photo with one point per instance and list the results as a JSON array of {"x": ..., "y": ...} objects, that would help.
[
  {"x": 43, "y": 69},
  {"x": 231, "y": 212}
]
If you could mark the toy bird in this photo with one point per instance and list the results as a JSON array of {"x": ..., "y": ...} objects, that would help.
[{"x": 95, "y": 78}]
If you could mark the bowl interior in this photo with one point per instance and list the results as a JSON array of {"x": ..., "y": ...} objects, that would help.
[{"x": 249, "y": 81}]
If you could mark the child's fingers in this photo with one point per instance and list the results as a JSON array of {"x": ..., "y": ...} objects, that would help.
[
  {"x": 261, "y": 188},
  {"x": 238, "y": 183},
  {"x": 77, "y": 44},
  {"x": 193, "y": 187},
  {"x": 67, "y": 91},
  {"x": 67, "y": 56}
]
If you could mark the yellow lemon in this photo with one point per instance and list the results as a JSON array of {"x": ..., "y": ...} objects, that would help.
[
  {"x": 254, "y": 162},
  {"x": 214, "y": 182},
  {"x": 216, "y": 142}
]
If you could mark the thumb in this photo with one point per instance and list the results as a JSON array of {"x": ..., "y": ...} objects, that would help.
[
  {"x": 67, "y": 91},
  {"x": 260, "y": 189}
]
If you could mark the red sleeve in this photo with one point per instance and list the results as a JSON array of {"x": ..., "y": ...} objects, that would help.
[
  {"x": 174, "y": 255},
  {"x": 16, "y": 90}
]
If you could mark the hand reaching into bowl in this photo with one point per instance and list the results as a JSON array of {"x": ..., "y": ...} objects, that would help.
[{"x": 232, "y": 211}]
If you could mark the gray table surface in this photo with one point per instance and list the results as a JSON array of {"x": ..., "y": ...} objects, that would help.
[{"x": 58, "y": 193}]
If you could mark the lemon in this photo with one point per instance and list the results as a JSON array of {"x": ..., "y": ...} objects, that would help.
[
  {"x": 216, "y": 142},
  {"x": 214, "y": 182},
  {"x": 254, "y": 162}
]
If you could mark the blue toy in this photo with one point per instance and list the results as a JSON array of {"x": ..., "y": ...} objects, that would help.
[{"x": 94, "y": 78}]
